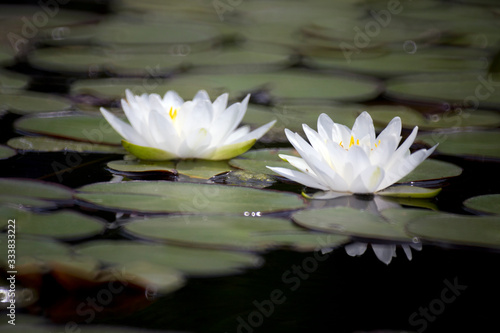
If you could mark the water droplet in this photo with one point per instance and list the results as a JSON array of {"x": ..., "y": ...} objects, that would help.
[
  {"x": 415, "y": 240},
  {"x": 410, "y": 47},
  {"x": 151, "y": 292}
]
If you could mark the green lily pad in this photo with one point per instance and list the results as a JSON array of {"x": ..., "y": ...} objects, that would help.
[
  {"x": 285, "y": 85},
  {"x": 20, "y": 201},
  {"x": 6, "y": 152},
  {"x": 34, "y": 250},
  {"x": 434, "y": 60},
  {"x": 31, "y": 102},
  {"x": 292, "y": 116},
  {"x": 482, "y": 231},
  {"x": 162, "y": 197},
  {"x": 404, "y": 191},
  {"x": 78, "y": 126},
  {"x": 464, "y": 90},
  {"x": 143, "y": 36},
  {"x": 35, "y": 189},
  {"x": 193, "y": 168},
  {"x": 451, "y": 119},
  {"x": 229, "y": 232},
  {"x": 45, "y": 144},
  {"x": 196, "y": 262},
  {"x": 268, "y": 154},
  {"x": 352, "y": 222},
  {"x": 243, "y": 178},
  {"x": 431, "y": 170},
  {"x": 472, "y": 144},
  {"x": 61, "y": 224},
  {"x": 488, "y": 203},
  {"x": 151, "y": 276},
  {"x": 13, "y": 80}
]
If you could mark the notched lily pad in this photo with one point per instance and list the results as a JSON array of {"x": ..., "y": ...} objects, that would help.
[
  {"x": 230, "y": 232},
  {"x": 476, "y": 144},
  {"x": 352, "y": 222},
  {"x": 170, "y": 197},
  {"x": 445, "y": 120},
  {"x": 488, "y": 203},
  {"x": 193, "y": 168},
  {"x": 45, "y": 144},
  {"x": 432, "y": 169},
  {"x": 481, "y": 231},
  {"x": 404, "y": 191}
]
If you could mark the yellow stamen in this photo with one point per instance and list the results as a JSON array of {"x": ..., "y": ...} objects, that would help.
[
  {"x": 172, "y": 113},
  {"x": 351, "y": 142},
  {"x": 357, "y": 142},
  {"x": 340, "y": 144}
]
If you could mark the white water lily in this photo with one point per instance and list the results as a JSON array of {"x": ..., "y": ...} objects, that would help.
[
  {"x": 170, "y": 128},
  {"x": 342, "y": 161}
]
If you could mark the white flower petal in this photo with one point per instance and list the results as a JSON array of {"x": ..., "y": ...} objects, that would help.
[
  {"x": 363, "y": 126},
  {"x": 355, "y": 249},
  {"x": 384, "y": 252},
  {"x": 299, "y": 177},
  {"x": 201, "y": 96},
  {"x": 325, "y": 126},
  {"x": 124, "y": 129}
]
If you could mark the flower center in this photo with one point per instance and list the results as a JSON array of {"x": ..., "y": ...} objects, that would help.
[
  {"x": 172, "y": 113},
  {"x": 353, "y": 142}
]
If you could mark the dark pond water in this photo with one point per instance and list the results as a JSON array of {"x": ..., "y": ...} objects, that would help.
[{"x": 434, "y": 63}]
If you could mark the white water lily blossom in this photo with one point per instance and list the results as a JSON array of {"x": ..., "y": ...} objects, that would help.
[
  {"x": 171, "y": 128},
  {"x": 343, "y": 161}
]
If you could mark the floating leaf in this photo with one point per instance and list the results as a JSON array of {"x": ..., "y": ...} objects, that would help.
[
  {"x": 352, "y": 222},
  {"x": 292, "y": 116},
  {"x": 404, "y": 191},
  {"x": 482, "y": 231},
  {"x": 286, "y": 85},
  {"x": 13, "y": 80},
  {"x": 162, "y": 196},
  {"x": 432, "y": 169},
  {"x": 30, "y": 102},
  {"x": 34, "y": 189},
  {"x": 192, "y": 168},
  {"x": 70, "y": 125},
  {"x": 451, "y": 119},
  {"x": 428, "y": 60},
  {"x": 198, "y": 262},
  {"x": 60, "y": 224},
  {"x": 466, "y": 89},
  {"x": 43, "y": 144},
  {"x": 474, "y": 144},
  {"x": 6, "y": 152},
  {"x": 488, "y": 203},
  {"x": 230, "y": 232}
]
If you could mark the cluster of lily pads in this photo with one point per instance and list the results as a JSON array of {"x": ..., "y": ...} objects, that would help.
[{"x": 211, "y": 218}]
